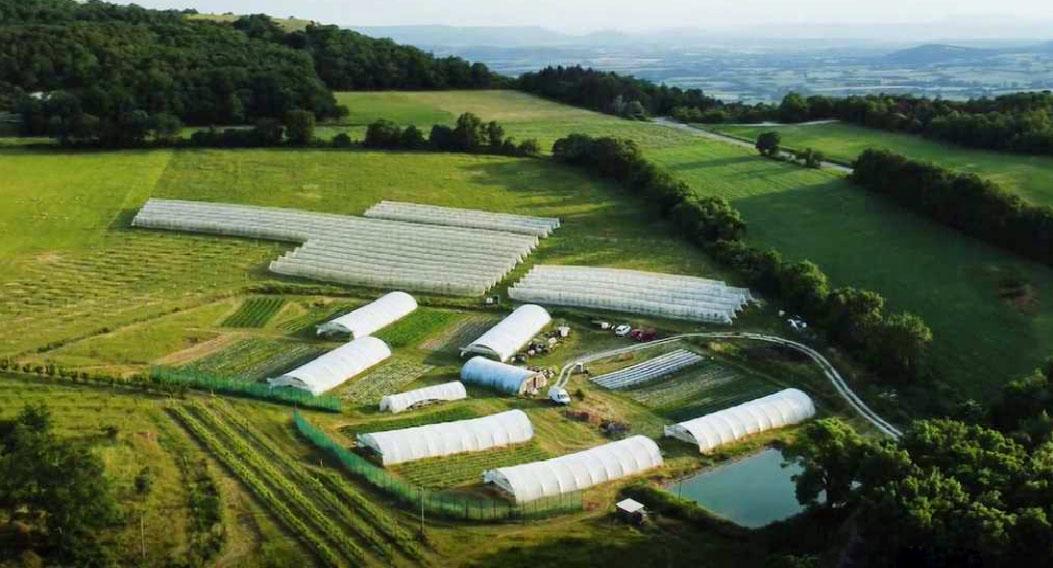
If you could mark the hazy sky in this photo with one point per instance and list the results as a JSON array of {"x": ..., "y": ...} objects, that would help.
[{"x": 589, "y": 15}]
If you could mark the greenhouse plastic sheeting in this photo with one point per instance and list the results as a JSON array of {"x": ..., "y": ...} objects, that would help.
[
  {"x": 414, "y": 212},
  {"x": 447, "y": 438},
  {"x": 357, "y": 251},
  {"x": 498, "y": 376},
  {"x": 656, "y": 368},
  {"x": 574, "y": 472},
  {"x": 333, "y": 368},
  {"x": 373, "y": 316},
  {"x": 506, "y": 338},
  {"x": 672, "y": 296},
  {"x": 452, "y": 390},
  {"x": 783, "y": 408}
]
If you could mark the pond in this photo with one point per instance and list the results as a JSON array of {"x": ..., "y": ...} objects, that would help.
[{"x": 751, "y": 492}]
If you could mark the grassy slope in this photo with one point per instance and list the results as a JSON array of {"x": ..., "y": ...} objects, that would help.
[
  {"x": 146, "y": 436},
  {"x": 1031, "y": 176},
  {"x": 981, "y": 341}
]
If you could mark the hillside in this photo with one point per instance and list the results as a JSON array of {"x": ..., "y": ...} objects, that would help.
[
  {"x": 933, "y": 53},
  {"x": 201, "y": 71}
]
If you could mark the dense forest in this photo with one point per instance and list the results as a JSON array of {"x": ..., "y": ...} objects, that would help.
[
  {"x": 1019, "y": 122},
  {"x": 97, "y": 70}
]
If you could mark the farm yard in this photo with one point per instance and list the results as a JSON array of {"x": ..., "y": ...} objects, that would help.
[{"x": 109, "y": 302}]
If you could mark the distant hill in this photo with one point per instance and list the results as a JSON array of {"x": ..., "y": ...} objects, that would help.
[
  {"x": 936, "y": 53},
  {"x": 461, "y": 36}
]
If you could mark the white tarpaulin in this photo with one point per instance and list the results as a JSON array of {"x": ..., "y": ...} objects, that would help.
[
  {"x": 447, "y": 438},
  {"x": 398, "y": 402},
  {"x": 371, "y": 317},
  {"x": 333, "y": 368},
  {"x": 503, "y": 340},
  {"x": 783, "y": 408},
  {"x": 574, "y": 472}
]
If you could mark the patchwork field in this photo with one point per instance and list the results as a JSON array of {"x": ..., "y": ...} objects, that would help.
[
  {"x": 982, "y": 340},
  {"x": 1030, "y": 176},
  {"x": 82, "y": 290}
]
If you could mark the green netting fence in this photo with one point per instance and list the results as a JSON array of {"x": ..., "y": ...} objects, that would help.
[
  {"x": 436, "y": 503},
  {"x": 234, "y": 387}
]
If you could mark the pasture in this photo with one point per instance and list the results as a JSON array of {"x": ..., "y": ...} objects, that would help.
[
  {"x": 1030, "y": 176},
  {"x": 982, "y": 338}
]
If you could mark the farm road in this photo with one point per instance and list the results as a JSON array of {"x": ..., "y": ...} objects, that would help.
[
  {"x": 828, "y": 369},
  {"x": 701, "y": 132}
]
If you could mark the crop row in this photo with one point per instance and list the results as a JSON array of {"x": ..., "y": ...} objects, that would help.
[
  {"x": 255, "y": 312},
  {"x": 254, "y": 359},
  {"x": 314, "y": 316},
  {"x": 417, "y": 327},
  {"x": 414, "y": 419},
  {"x": 379, "y": 526},
  {"x": 385, "y": 379},
  {"x": 463, "y": 469},
  {"x": 695, "y": 393},
  {"x": 289, "y": 484},
  {"x": 273, "y": 499}
]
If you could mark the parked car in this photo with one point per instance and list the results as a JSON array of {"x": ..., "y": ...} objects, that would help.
[{"x": 622, "y": 330}]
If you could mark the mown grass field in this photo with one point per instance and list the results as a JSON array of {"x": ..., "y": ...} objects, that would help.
[
  {"x": 1030, "y": 176},
  {"x": 858, "y": 239},
  {"x": 80, "y": 288}
]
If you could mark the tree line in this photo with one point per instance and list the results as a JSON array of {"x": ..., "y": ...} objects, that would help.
[
  {"x": 1018, "y": 122},
  {"x": 893, "y": 346},
  {"x": 964, "y": 201},
  {"x": 470, "y": 134},
  {"x": 96, "y": 70},
  {"x": 972, "y": 489}
]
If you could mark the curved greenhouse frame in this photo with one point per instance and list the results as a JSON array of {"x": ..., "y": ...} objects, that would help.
[
  {"x": 333, "y": 368},
  {"x": 786, "y": 407},
  {"x": 501, "y": 376},
  {"x": 399, "y": 402},
  {"x": 454, "y": 217},
  {"x": 357, "y": 251},
  {"x": 371, "y": 317},
  {"x": 503, "y": 340},
  {"x": 574, "y": 472},
  {"x": 448, "y": 438},
  {"x": 672, "y": 296}
]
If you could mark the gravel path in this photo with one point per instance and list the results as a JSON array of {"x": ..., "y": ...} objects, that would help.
[{"x": 828, "y": 369}]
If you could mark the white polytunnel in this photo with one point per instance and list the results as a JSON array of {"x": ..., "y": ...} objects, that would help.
[
  {"x": 788, "y": 406},
  {"x": 574, "y": 472},
  {"x": 448, "y": 438},
  {"x": 453, "y": 390},
  {"x": 333, "y": 368},
  {"x": 501, "y": 376},
  {"x": 371, "y": 317},
  {"x": 503, "y": 340}
]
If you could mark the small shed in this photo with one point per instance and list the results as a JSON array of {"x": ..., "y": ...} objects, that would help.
[{"x": 631, "y": 510}]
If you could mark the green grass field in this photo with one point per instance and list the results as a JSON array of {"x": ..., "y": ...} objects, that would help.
[
  {"x": 82, "y": 289},
  {"x": 860, "y": 239},
  {"x": 1030, "y": 176}
]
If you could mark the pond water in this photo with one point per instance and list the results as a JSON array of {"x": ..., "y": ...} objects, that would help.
[{"x": 751, "y": 492}]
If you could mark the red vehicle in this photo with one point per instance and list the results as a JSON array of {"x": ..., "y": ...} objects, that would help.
[{"x": 643, "y": 335}]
